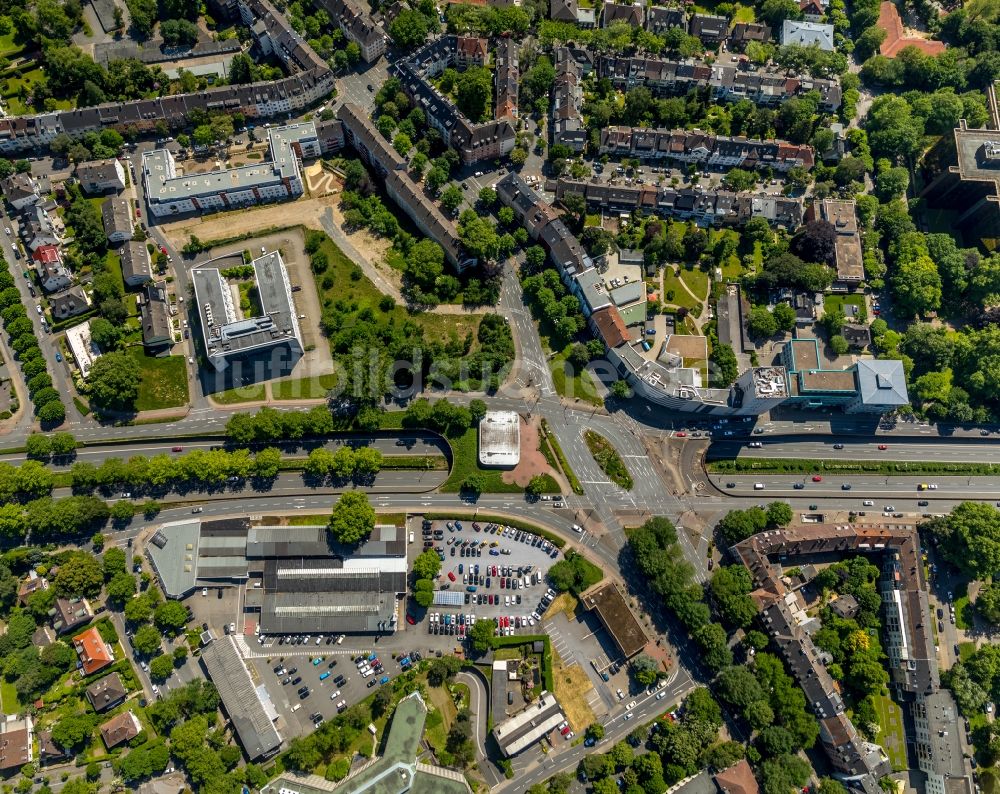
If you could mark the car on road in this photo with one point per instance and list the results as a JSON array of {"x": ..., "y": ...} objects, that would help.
[
  {"x": 923, "y": 503},
  {"x": 58, "y": 356},
  {"x": 883, "y": 447},
  {"x": 845, "y": 487},
  {"x": 177, "y": 449},
  {"x": 198, "y": 510},
  {"x": 799, "y": 486},
  {"x": 817, "y": 478},
  {"x": 630, "y": 706},
  {"x": 838, "y": 446}
]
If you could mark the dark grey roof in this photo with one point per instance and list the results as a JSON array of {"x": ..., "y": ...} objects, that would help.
[
  {"x": 135, "y": 260},
  {"x": 241, "y": 698}
]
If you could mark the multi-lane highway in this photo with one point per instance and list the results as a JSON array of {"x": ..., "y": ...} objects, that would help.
[{"x": 976, "y": 449}]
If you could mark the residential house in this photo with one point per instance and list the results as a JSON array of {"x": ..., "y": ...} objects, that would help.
[
  {"x": 16, "y": 742},
  {"x": 711, "y": 29},
  {"x": 742, "y": 33},
  {"x": 631, "y": 14},
  {"x": 568, "y": 127},
  {"x": 848, "y": 251},
  {"x": 737, "y": 779},
  {"x": 70, "y": 613},
  {"x": 39, "y": 227},
  {"x": 120, "y": 729},
  {"x": 48, "y": 751},
  {"x": 659, "y": 19},
  {"x": 471, "y": 51},
  {"x": 52, "y": 274},
  {"x": 694, "y": 146},
  {"x": 391, "y": 168},
  {"x": 32, "y": 584},
  {"x": 570, "y": 11},
  {"x": 101, "y": 176},
  {"x": 858, "y": 337},
  {"x": 357, "y": 26},
  {"x": 805, "y": 309},
  {"x": 507, "y": 77},
  {"x": 69, "y": 303},
  {"x": 807, "y": 34},
  {"x": 107, "y": 692},
  {"x": 95, "y": 654},
  {"x": 845, "y": 606},
  {"x": 116, "y": 212},
  {"x": 154, "y": 313},
  {"x": 20, "y": 190},
  {"x": 812, "y": 10},
  {"x": 136, "y": 266}
]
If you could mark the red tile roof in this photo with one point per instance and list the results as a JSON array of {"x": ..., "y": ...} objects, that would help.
[
  {"x": 47, "y": 254},
  {"x": 611, "y": 327},
  {"x": 93, "y": 651},
  {"x": 738, "y": 779},
  {"x": 896, "y": 39},
  {"x": 120, "y": 729}
]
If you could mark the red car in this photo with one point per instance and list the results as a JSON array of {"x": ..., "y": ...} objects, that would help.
[
  {"x": 138, "y": 212},
  {"x": 410, "y": 620},
  {"x": 163, "y": 250},
  {"x": 681, "y": 434},
  {"x": 176, "y": 449},
  {"x": 451, "y": 575},
  {"x": 883, "y": 446},
  {"x": 817, "y": 478}
]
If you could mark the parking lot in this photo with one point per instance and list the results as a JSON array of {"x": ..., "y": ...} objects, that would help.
[
  {"x": 322, "y": 682},
  {"x": 488, "y": 571}
]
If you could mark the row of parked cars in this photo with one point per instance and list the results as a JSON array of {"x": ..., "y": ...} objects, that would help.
[{"x": 306, "y": 639}]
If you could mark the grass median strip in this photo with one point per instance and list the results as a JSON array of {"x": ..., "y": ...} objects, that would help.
[
  {"x": 568, "y": 472},
  {"x": 608, "y": 459},
  {"x": 884, "y": 467}
]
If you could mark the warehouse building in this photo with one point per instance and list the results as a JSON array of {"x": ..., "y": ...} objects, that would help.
[
  {"x": 249, "y": 707},
  {"x": 528, "y": 726}
]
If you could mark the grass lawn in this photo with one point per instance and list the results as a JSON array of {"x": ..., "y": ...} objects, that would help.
[
  {"x": 744, "y": 14},
  {"x": 966, "y": 649},
  {"x": 572, "y": 686},
  {"x": 833, "y": 302},
  {"x": 303, "y": 388},
  {"x": 349, "y": 286},
  {"x": 674, "y": 293},
  {"x": 592, "y": 219},
  {"x": 963, "y": 613},
  {"x": 696, "y": 280},
  {"x": 890, "y": 720},
  {"x": 8, "y": 48},
  {"x": 241, "y": 394},
  {"x": 466, "y": 449},
  {"x": 573, "y": 384},
  {"x": 8, "y": 698},
  {"x": 162, "y": 383}
]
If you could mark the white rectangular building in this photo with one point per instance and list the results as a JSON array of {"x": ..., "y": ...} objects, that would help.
[
  {"x": 500, "y": 439},
  {"x": 168, "y": 193}
]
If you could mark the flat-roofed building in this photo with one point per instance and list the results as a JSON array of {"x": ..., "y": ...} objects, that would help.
[
  {"x": 227, "y": 333},
  {"x": 523, "y": 729},
  {"x": 611, "y": 607},
  {"x": 168, "y": 193},
  {"x": 297, "y": 579},
  {"x": 85, "y": 351},
  {"x": 248, "y": 706},
  {"x": 500, "y": 439},
  {"x": 849, "y": 257}
]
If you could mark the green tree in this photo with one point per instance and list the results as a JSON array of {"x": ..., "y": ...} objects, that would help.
[
  {"x": 645, "y": 669},
  {"x": 170, "y": 617},
  {"x": 146, "y": 640},
  {"x": 481, "y": 635},
  {"x": 426, "y": 565},
  {"x": 451, "y": 198},
  {"x": 474, "y": 92},
  {"x": 409, "y": 29},
  {"x": 121, "y": 588},
  {"x": 161, "y": 667},
  {"x": 761, "y": 323},
  {"x": 114, "y": 381},
  {"x": 73, "y": 730},
  {"x": 353, "y": 518},
  {"x": 79, "y": 575}
]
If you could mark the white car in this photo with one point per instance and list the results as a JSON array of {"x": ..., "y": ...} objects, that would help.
[
  {"x": 367, "y": 673},
  {"x": 335, "y": 695},
  {"x": 630, "y": 706},
  {"x": 577, "y": 528},
  {"x": 621, "y": 695},
  {"x": 868, "y": 503},
  {"x": 340, "y": 639},
  {"x": 661, "y": 695},
  {"x": 232, "y": 628},
  {"x": 932, "y": 486},
  {"x": 204, "y": 591},
  {"x": 156, "y": 689}
]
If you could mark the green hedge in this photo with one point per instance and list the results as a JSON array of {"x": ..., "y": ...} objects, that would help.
[
  {"x": 459, "y": 513},
  {"x": 847, "y": 467},
  {"x": 553, "y": 442}
]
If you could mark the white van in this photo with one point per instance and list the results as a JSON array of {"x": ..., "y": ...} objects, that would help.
[
  {"x": 296, "y": 707},
  {"x": 758, "y": 486}
]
